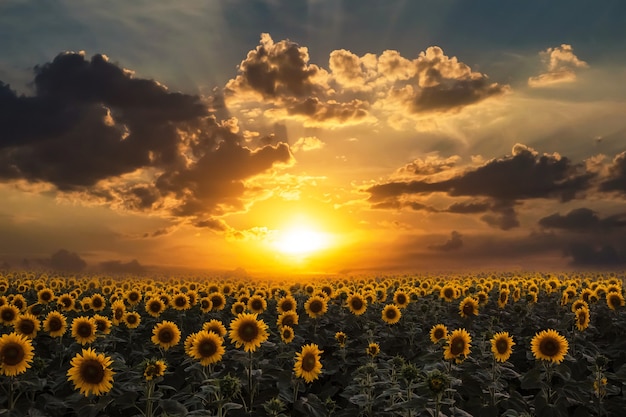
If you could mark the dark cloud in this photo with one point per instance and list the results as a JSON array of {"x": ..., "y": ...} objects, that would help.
[
  {"x": 95, "y": 130},
  {"x": 64, "y": 260},
  {"x": 583, "y": 220},
  {"x": 119, "y": 267},
  {"x": 454, "y": 94},
  {"x": 617, "y": 175},
  {"x": 455, "y": 242},
  {"x": 583, "y": 253}
]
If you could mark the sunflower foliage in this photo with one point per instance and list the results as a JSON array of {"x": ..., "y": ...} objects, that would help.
[{"x": 484, "y": 344}]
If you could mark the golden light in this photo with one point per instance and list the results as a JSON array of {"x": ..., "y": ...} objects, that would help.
[{"x": 300, "y": 241}]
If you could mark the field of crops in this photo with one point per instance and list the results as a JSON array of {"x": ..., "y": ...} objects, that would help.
[{"x": 481, "y": 345}]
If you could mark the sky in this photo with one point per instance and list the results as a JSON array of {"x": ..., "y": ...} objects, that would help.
[{"x": 313, "y": 136}]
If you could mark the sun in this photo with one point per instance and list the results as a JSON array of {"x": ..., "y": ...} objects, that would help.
[{"x": 301, "y": 240}]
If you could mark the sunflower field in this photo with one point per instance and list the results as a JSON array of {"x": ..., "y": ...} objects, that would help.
[{"x": 504, "y": 344}]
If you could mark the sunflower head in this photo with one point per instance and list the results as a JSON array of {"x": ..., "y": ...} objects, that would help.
[
  {"x": 206, "y": 347},
  {"x": 341, "y": 339},
  {"x": 316, "y": 306},
  {"x": 286, "y": 303},
  {"x": 90, "y": 372},
  {"x": 286, "y": 334},
  {"x": 154, "y": 306},
  {"x": 438, "y": 332},
  {"x": 215, "y": 326},
  {"x": 458, "y": 345},
  {"x": 27, "y": 325},
  {"x": 391, "y": 314},
  {"x": 257, "y": 304},
  {"x": 468, "y": 307},
  {"x": 288, "y": 318},
  {"x": 16, "y": 354},
  {"x": 8, "y": 314},
  {"x": 132, "y": 319},
  {"x": 437, "y": 381},
  {"x": 549, "y": 345},
  {"x": 308, "y": 365},
  {"x": 582, "y": 318},
  {"x": 247, "y": 331},
  {"x": 84, "y": 330},
  {"x": 165, "y": 334},
  {"x": 357, "y": 304},
  {"x": 614, "y": 300},
  {"x": 372, "y": 349},
  {"x": 55, "y": 324},
  {"x": 501, "y": 346},
  {"x": 154, "y": 368}
]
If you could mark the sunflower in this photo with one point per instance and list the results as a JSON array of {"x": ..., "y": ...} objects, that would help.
[
  {"x": 614, "y": 300},
  {"x": 373, "y": 349},
  {"x": 286, "y": 334},
  {"x": 401, "y": 299},
  {"x": 27, "y": 325},
  {"x": 503, "y": 298},
  {"x": 501, "y": 346},
  {"x": 207, "y": 347},
  {"x": 286, "y": 303},
  {"x": 341, "y": 339},
  {"x": 132, "y": 319},
  {"x": 308, "y": 365},
  {"x": 448, "y": 292},
  {"x": 482, "y": 297},
  {"x": 84, "y": 329},
  {"x": 154, "y": 369},
  {"x": 16, "y": 354},
  {"x": 132, "y": 297},
  {"x": 103, "y": 324},
  {"x": 205, "y": 304},
  {"x": 468, "y": 307},
  {"x": 154, "y": 307},
  {"x": 257, "y": 304},
  {"x": 8, "y": 314},
  {"x": 118, "y": 309},
  {"x": 438, "y": 332},
  {"x": 215, "y": 326},
  {"x": 55, "y": 324},
  {"x": 288, "y": 318},
  {"x": 549, "y": 345},
  {"x": 45, "y": 295},
  {"x": 180, "y": 302},
  {"x": 218, "y": 300},
  {"x": 238, "y": 307},
  {"x": 165, "y": 334},
  {"x": 247, "y": 331},
  {"x": 458, "y": 346},
  {"x": 98, "y": 303},
  {"x": 66, "y": 301},
  {"x": 91, "y": 373},
  {"x": 391, "y": 314},
  {"x": 582, "y": 318},
  {"x": 316, "y": 306},
  {"x": 20, "y": 302},
  {"x": 356, "y": 304}
]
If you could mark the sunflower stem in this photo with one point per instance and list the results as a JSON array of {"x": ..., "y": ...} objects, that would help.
[
  {"x": 11, "y": 398},
  {"x": 149, "y": 392},
  {"x": 250, "y": 390}
]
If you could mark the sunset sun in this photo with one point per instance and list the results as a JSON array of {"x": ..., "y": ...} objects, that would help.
[{"x": 301, "y": 240}]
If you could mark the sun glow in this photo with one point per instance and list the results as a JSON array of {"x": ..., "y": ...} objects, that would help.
[{"x": 301, "y": 241}]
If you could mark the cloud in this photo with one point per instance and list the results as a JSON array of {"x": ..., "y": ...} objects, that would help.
[
  {"x": 587, "y": 254},
  {"x": 64, "y": 260},
  {"x": 119, "y": 267},
  {"x": 430, "y": 165},
  {"x": 99, "y": 133},
  {"x": 616, "y": 178},
  {"x": 583, "y": 220},
  {"x": 561, "y": 66},
  {"x": 454, "y": 243},
  {"x": 522, "y": 175},
  {"x": 307, "y": 143}
]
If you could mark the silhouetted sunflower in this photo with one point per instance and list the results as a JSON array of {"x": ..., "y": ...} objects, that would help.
[
  {"x": 247, "y": 331},
  {"x": 549, "y": 345},
  {"x": 391, "y": 314},
  {"x": 16, "y": 354},
  {"x": 468, "y": 307},
  {"x": 165, "y": 334},
  {"x": 308, "y": 365},
  {"x": 614, "y": 300},
  {"x": 91, "y": 373},
  {"x": 207, "y": 347},
  {"x": 502, "y": 346},
  {"x": 154, "y": 369},
  {"x": 341, "y": 339}
]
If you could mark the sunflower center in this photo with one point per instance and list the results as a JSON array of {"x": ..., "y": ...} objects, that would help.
[
  {"x": 357, "y": 303},
  {"x": 286, "y": 333},
  {"x": 12, "y": 353},
  {"x": 316, "y": 306},
  {"x": 549, "y": 346},
  {"x": 26, "y": 327},
  {"x": 205, "y": 304},
  {"x": 503, "y": 297},
  {"x": 119, "y": 313},
  {"x": 239, "y": 309},
  {"x": 133, "y": 296},
  {"x": 448, "y": 293},
  {"x": 101, "y": 325},
  {"x": 438, "y": 333},
  {"x": 46, "y": 296},
  {"x": 131, "y": 319},
  {"x": 287, "y": 305},
  {"x": 457, "y": 346},
  {"x": 614, "y": 301},
  {"x": 288, "y": 321},
  {"x": 207, "y": 348},
  {"x": 502, "y": 346},
  {"x": 92, "y": 371},
  {"x": 155, "y": 306},
  {"x": 468, "y": 309},
  {"x": 166, "y": 335},
  {"x": 55, "y": 324},
  {"x": 96, "y": 302},
  {"x": 8, "y": 315},
  {"x": 390, "y": 313},
  {"x": 217, "y": 301},
  {"x": 84, "y": 329},
  {"x": 401, "y": 299},
  {"x": 248, "y": 331},
  {"x": 308, "y": 362},
  {"x": 256, "y": 304}
]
